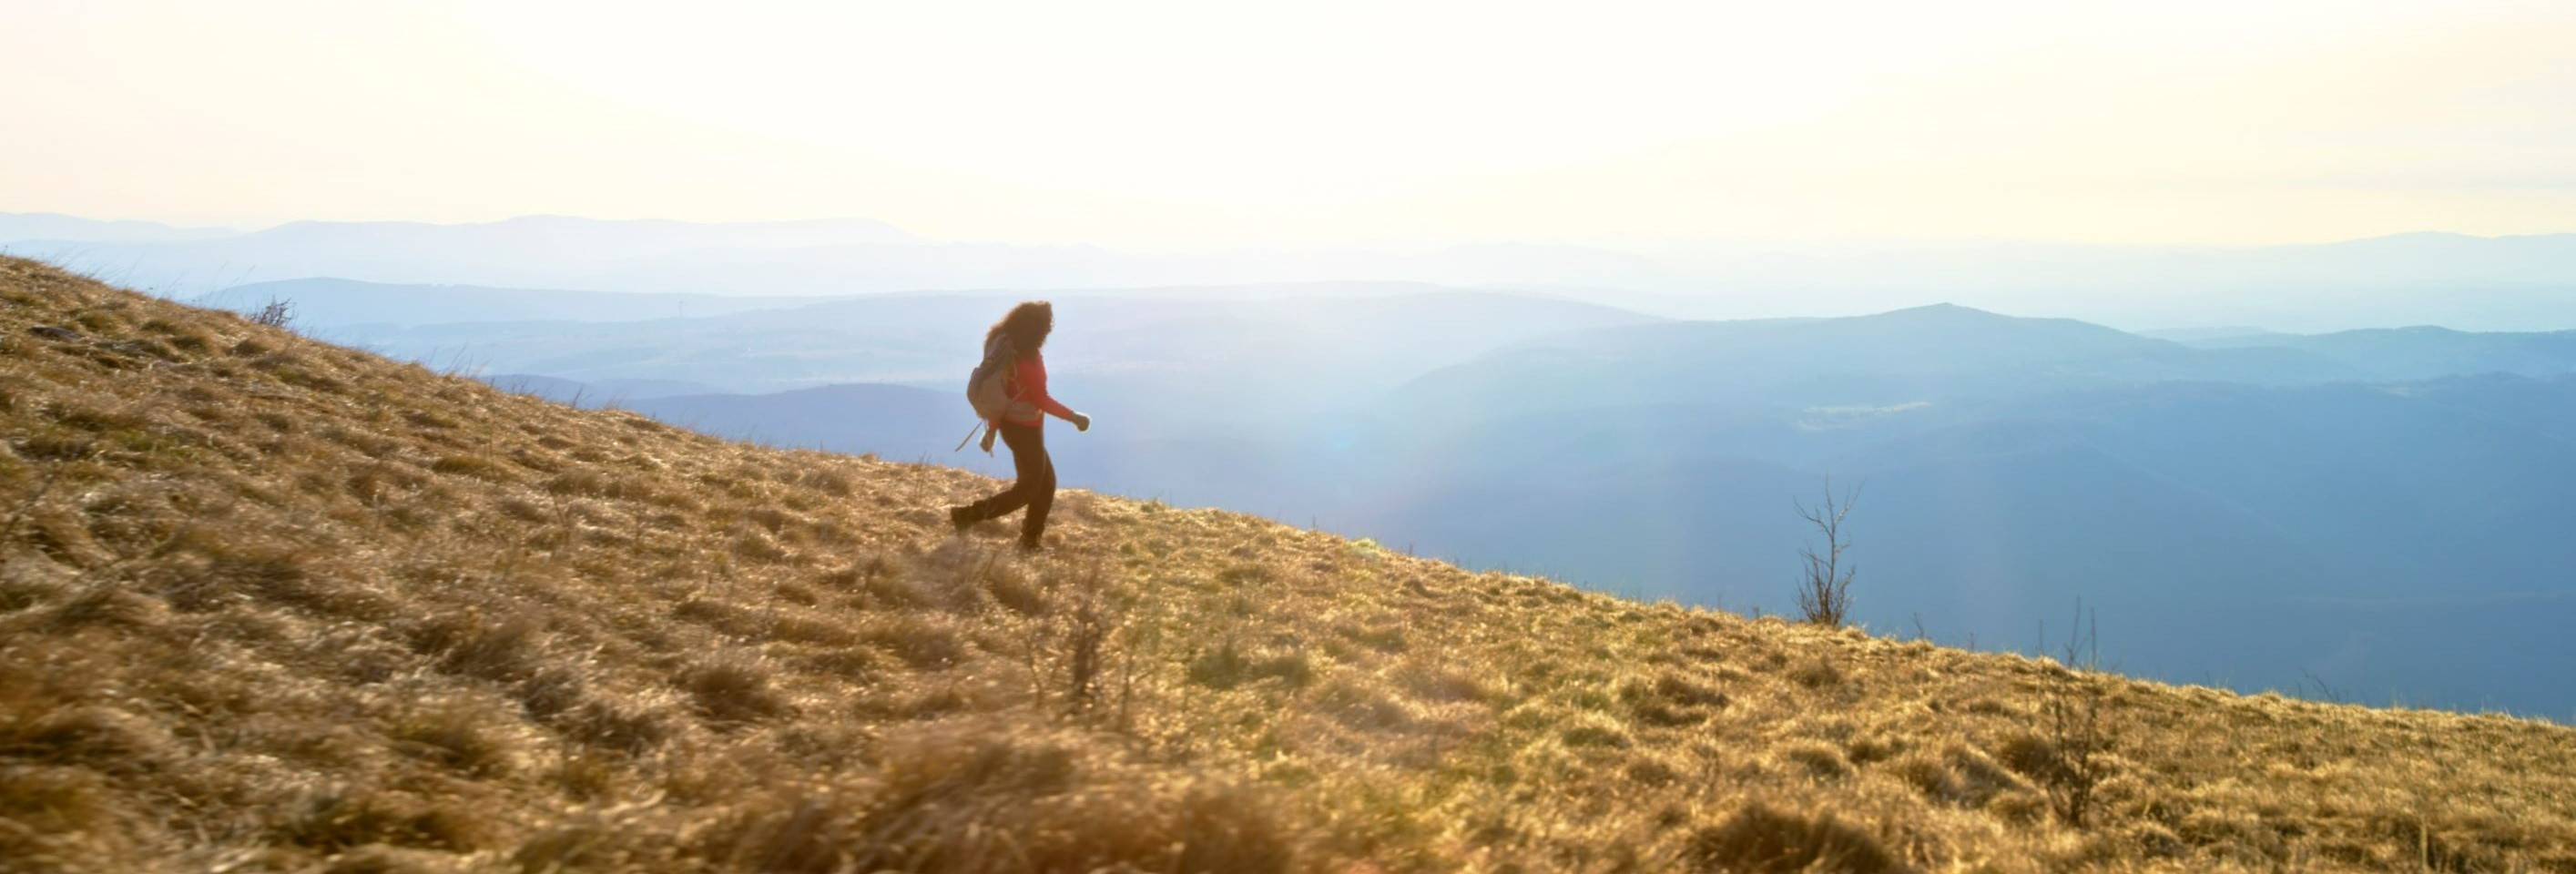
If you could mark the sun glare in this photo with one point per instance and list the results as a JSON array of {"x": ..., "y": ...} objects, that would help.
[{"x": 1180, "y": 123}]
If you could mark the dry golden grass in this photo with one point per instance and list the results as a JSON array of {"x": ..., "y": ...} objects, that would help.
[{"x": 271, "y": 605}]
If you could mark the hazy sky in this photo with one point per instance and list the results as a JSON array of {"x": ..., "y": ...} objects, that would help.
[{"x": 1193, "y": 123}]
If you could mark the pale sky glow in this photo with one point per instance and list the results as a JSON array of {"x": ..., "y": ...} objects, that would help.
[{"x": 1287, "y": 124}]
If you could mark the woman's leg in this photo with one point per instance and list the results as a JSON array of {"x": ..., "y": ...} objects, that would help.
[
  {"x": 1041, "y": 492},
  {"x": 1028, "y": 460}
]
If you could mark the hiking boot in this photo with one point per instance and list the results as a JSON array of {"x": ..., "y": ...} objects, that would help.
[
  {"x": 1031, "y": 547},
  {"x": 960, "y": 519}
]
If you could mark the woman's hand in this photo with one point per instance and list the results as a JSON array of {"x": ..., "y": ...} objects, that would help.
[{"x": 1081, "y": 422}]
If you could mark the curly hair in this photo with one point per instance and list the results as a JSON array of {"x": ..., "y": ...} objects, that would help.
[{"x": 1028, "y": 324}]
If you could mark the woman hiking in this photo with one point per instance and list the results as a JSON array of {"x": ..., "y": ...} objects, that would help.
[{"x": 1013, "y": 342}]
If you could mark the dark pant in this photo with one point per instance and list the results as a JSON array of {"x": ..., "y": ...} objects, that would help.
[{"x": 1035, "y": 489}]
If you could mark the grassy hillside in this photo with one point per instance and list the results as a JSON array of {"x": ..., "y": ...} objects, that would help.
[{"x": 269, "y": 605}]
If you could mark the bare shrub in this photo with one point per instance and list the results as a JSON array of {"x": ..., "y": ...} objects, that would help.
[
  {"x": 1824, "y": 589},
  {"x": 1087, "y": 628},
  {"x": 2070, "y": 756},
  {"x": 1066, "y": 637},
  {"x": 276, "y": 313}
]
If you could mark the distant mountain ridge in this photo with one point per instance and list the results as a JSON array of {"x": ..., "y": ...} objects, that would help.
[
  {"x": 1890, "y": 358},
  {"x": 540, "y": 251},
  {"x": 2484, "y": 283},
  {"x": 343, "y": 303},
  {"x": 48, "y": 226},
  {"x": 2425, "y": 352},
  {"x": 1291, "y": 352}
]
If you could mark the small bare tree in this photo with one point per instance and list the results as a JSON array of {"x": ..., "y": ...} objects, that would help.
[
  {"x": 1086, "y": 632},
  {"x": 1075, "y": 637},
  {"x": 1824, "y": 592},
  {"x": 2079, "y": 737},
  {"x": 277, "y": 313}
]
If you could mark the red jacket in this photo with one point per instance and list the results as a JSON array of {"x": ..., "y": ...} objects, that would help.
[{"x": 1028, "y": 384}]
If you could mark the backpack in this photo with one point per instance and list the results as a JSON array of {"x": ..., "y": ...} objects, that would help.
[{"x": 988, "y": 388}]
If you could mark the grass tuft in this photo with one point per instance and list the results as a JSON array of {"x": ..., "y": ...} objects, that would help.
[
  {"x": 470, "y": 644},
  {"x": 1760, "y": 840},
  {"x": 458, "y": 734},
  {"x": 733, "y": 687},
  {"x": 1230, "y": 665}
]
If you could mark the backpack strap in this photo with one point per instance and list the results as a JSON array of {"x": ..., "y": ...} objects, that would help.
[{"x": 1000, "y": 351}]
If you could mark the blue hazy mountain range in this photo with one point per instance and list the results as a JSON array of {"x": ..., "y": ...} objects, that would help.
[
  {"x": 43, "y": 226},
  {"x": 341, "y": 304},
  {"x": 2467, "y": 282},
  {"x": 539, "y": 251},
  {"x": 1181, "y": 366},
  {"x": 2421, "y": 352}
]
